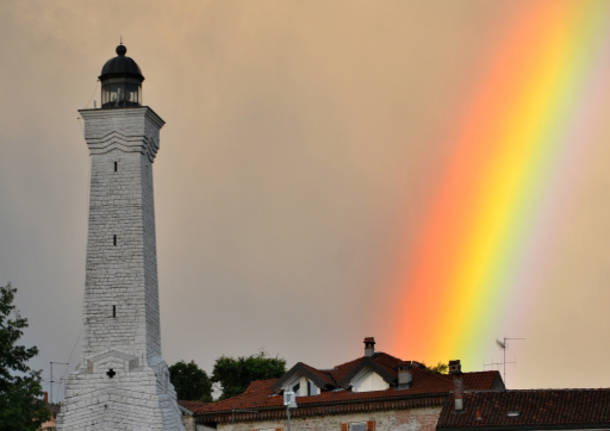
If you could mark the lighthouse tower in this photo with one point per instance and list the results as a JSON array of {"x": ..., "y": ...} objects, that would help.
[{"x": 122, "y": 382}]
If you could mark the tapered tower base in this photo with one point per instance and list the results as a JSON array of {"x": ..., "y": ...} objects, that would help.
[{"x": 134, "y": 399}]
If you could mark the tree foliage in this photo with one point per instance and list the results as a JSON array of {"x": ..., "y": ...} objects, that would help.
[
  {"x": 441, "y": 368},
  {"x": 20, "y": 388},
  {"x": 191, "y": 382},
  {"x": 235, "y": 374}
]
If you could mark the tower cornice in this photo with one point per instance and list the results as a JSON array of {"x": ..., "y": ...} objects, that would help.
[
  {"x": 101, "y": 113},
  {"x": 125, "y": 129}
]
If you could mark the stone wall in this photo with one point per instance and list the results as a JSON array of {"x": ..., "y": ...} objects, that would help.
[
  {"x": 121, "y": 308},
  {"x": 422, "y": 419},
  {"x": 122, "y": 383}
]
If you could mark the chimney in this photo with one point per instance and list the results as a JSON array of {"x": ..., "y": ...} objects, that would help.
[
  {"x": 455, "y": 369},
  {"x": 405, "y": 377},
  {"x": 45, "y": 397},
  {"x": 369, "y": 346}
]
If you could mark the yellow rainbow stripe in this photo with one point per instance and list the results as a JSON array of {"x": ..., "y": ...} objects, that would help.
[{"x": 460, "y": 269}]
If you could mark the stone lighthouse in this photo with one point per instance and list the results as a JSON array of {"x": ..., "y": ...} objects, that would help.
[{"x": 122, "y": 382}]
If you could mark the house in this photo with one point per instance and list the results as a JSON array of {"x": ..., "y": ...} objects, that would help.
[
  {"x": 49, "y": 425},
  {"x": 374, "y": 392},
  {"x": 539, "y": 409},
  {"x": 187, "y": 408}
]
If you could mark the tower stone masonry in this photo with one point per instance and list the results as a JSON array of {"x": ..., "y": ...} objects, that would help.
[{"x": 122, "y": 382}]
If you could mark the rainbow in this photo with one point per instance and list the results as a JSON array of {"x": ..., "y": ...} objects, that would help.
[{"x": 530, "y": 113}]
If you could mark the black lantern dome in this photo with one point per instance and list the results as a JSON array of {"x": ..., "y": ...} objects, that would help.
[{"x": 121, "y": 81}]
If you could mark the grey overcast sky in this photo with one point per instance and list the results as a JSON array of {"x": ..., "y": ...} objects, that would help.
[{"x": 301, "y": 139}]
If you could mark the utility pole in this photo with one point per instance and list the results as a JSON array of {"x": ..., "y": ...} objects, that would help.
[
  {"x": 504, "y": 346},
  {"x": 291, "y": 403},
  {"x": 51, "y": 381}
]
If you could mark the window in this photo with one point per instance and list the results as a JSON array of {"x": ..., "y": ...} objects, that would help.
[
  {"x": 116, "y": 166},
  {"x": 114, "y": 311},
  {"x": 358, "y": 426},
  {"x": 296, "y": 388},
  {"x": 133, "y": 95},
  {"x": 114, "y": 240},
  {"x": 312, "y": 389}
]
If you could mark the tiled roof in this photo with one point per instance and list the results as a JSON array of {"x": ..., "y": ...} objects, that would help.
[
  {"x": 323, "y": 376},
  {"x": 386, "y": 365},
  {"x": 261, "y": 400},
  {"x": 529, "y": 410},
  {"x": 257, "y": 403},
  {"x": 191, "y": 405}
]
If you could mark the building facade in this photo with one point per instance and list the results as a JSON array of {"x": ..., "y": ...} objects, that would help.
[
  {"x": 374, "y": 392},
  {"x": 528, "y": 410},
  {"x": 122, "y": 382}
]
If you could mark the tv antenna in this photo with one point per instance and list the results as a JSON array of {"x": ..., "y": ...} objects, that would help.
[
  {"x": 497, "y": 364},
  {"x": 504, "y": 346}
]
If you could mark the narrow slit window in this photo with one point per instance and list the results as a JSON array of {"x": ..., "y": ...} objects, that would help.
[
  {"x": 116, "y": 166},
  {"x": 114, "y": 311},
  {"x": 114, "y": 240}
]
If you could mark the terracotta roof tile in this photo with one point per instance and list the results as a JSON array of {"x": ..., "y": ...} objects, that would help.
[
  {"x": 191, "y": 405},
  {"x": 529, "y": 409},
  {"x": 258, "y": 402},
  {"x": 323, "y": 375}
]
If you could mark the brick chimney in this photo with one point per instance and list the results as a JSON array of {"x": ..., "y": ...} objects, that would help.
[
  {"x": 369, "y": 346},
  {"x": 45, "y": 397},
  {"x": 405, "y": 377},
  {"x": 455, "y": 369}
]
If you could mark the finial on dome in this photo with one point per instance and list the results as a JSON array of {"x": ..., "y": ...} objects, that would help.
[{"x": 121, "y": 80}]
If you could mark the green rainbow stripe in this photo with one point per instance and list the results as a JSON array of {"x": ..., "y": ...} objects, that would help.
[{"x": 463, "y": 266}]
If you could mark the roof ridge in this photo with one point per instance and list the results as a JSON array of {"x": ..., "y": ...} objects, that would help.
[{"x": 546, "y": 390}]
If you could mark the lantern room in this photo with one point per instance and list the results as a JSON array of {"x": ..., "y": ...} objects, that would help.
[{"x": 121, "y": 81}]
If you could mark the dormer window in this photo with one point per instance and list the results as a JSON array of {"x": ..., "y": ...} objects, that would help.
[
  {"x": 301, "y": 386},
  {"x": 312, "y": 389},
  {"x": 368, "y": 380}
]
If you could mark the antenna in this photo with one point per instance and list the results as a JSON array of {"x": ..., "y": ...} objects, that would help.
[
  {"x": 497, "y": 364},
  {"x": 121, "y": 39},
  {"x": 504, "y": 346}
]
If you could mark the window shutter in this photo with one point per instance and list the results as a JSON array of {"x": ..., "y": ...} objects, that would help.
[
  {"x": 370, "y": 426},
  {"x": 344, "y": 427}
]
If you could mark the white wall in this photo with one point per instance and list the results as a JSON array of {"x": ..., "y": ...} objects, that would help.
[{"x": 368, "y": 380}]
